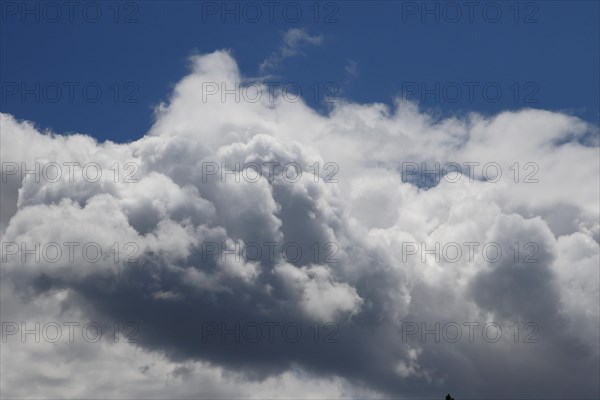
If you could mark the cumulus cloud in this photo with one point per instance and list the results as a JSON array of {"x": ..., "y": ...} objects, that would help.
[{"x": 361, "y": 289}]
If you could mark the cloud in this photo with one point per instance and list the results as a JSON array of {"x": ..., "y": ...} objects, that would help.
[
  {"x": 294, "y": 39},
  {"x": 351, "y": 68},
  {"x": 352, "y": 278}
]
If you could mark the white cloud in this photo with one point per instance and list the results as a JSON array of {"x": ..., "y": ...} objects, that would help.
[
  {"x": 172, "y": 212},
  {"x": 294, "y": 39},
  {"x": 351, "y": 68}
]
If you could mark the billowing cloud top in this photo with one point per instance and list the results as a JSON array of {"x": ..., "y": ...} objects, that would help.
[{"x": 177, "y": 207}]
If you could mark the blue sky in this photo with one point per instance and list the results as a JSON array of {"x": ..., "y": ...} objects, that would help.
[{"x": 550, "y": 56}]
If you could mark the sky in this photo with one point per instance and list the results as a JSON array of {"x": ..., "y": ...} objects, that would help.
[
  {"x": 293, "y": 200},
  {"x": 529, "y": 54}
]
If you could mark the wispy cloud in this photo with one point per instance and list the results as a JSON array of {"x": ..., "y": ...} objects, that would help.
[
  {"x": 351, "y": 68},
  {"x": 294, "y": 40}
]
